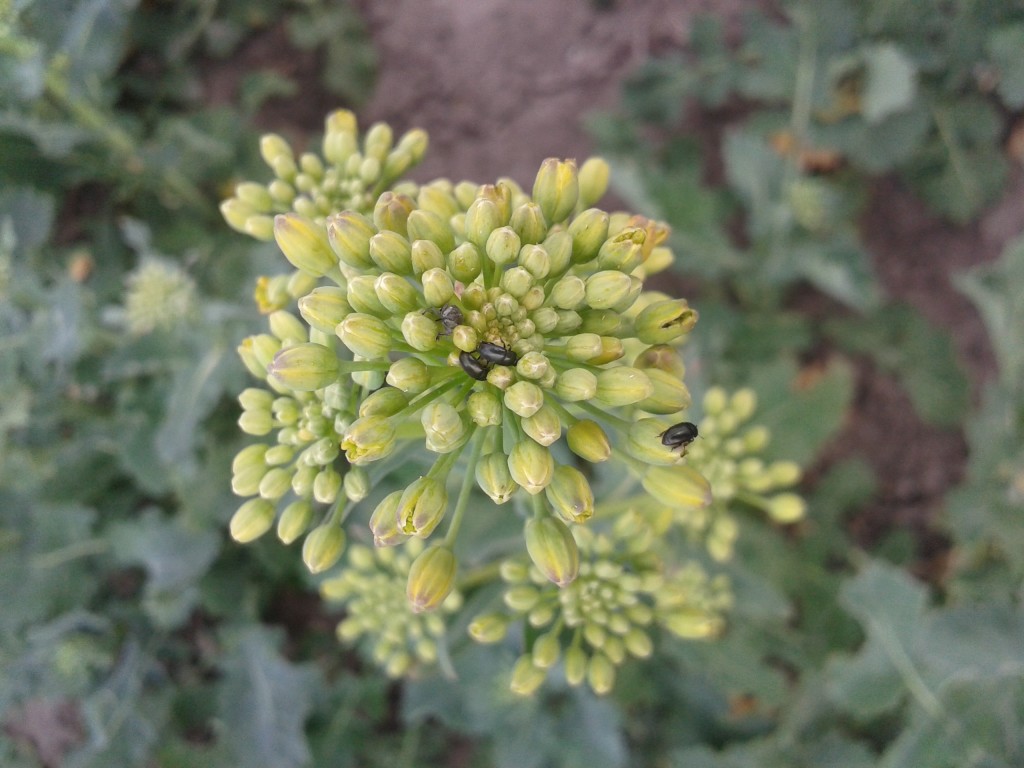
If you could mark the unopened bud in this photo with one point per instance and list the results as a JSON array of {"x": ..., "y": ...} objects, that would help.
[
  {"x": 494, "y": 478},
  {"x": 349, "y": 236},
  {"x": 391, "y": 252},
  {"x": 528, "y": 222},
  {"x": 594, "y": 175},
  {"x": 670, "y": 393},
  {"x": 325, "y": 307},
  {"x": 786, "y": 508},
  {"x": 422, "y": 506},
  {"x": 589, "y": 441},
  {"x": 665, "y": 321},
  {"x": 323, "y": 547},
  {"x": 556, "y": 189},
  {"x": 366, "y": 335},
  {"x": 294, "y": 521},
  {"x": 589, "y": 231},
  {"x": 419, "y": 331},
  {"x": 431, "y": 578},
  {"x": 552, "y": 549},
  {"x": 678, "y": 486},
  {"x": 489, "y": 628},
  {"x": 304, "y": 367},
  {"x": 531, "y": 465},
  {"x": 304, "y": 243},
  {"x": 252, "y": 520},
  {"x": 623, "y": 386},
  {"x": 545, "y": 426},
  {"x": 384, "y": 522},
  {"x": 396, "y": 294},
  {"x": 570, "y": 495},
  {"x": 368, "y": 439},
  {"x": 526, "y": 678}
]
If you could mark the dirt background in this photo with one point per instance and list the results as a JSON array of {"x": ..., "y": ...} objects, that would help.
[{"x": 501, "y": 85}]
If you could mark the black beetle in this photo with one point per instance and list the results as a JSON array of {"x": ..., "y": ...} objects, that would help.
[
  {"x": 473, "y": 367},
  {"x": 679, "y": 435},
  {"x": 449, "y": 315},
  {"x": 496, "y": 354}
]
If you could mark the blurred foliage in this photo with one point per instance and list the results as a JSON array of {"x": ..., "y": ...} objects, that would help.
[{"x": 132, "y": 636}]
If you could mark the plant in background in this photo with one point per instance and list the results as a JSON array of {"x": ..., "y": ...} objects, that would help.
[{"x": 487, "y": 334}]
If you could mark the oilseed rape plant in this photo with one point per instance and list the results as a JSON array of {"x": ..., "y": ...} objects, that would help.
[{"x": 446, "y": 351}]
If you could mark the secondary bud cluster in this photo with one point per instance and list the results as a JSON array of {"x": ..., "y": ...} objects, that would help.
[
  {"x": 623, "y": 593},
  {"x": 728, "y": 455},
  {"x": 159, "y": 295},
  {"x": 373, "y": 587}
]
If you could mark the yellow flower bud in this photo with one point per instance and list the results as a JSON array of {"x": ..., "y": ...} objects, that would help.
[
  {"x": 384, "y": 522},
  {"x": 426, "y": 225},
  {"x": 482, "y": 218},
  {"x": 623, "y": 386},
  {"x": 528, "y": 222},
  {"x": 623, "y": 251},
  {"x": 367, "y": 439},
  {"x": 252, "y": 520},
  {"x": 786, "y": 508},
  {"x": 304, "y": 367},
  {"x": 670, "y": 393},
  {"x": 556, "y": 189},
  {"x": 425, "y": 256},
  {"x": 294, "y": 521},
  {"x": 391, "y": 252},
  {"x": 679, "y": 486},
  {"x": 431, "y": 578},
  {"x": 583, "y": 347},
  {"x": 594, "y": 175},
  {"x": 552, "y": 549},
  {"x": 304, "y": 243},
  {"x": 366, "y": 335},
  {"x": 443, "y": 427},
  {"x": 391, "y": 212},
  {"x": 546, "y": 650},
  {"x": 531, "y": 465},
  {"x": 323, "y": 547},
  {"x": 575, "y": 665},
  {"x": 325, "y": 307},
  {"x": 396, "y": 293},
  {"x": 422, "y": 506},
  {"x": 588, "y": 440},
  {"x": 663, "y": 358},
  {"x": 489, "y": 628},
  {"x": 362, "y": 296},
  {"x": 348, "y": 234},
  {"x": 526, "y": 678},
  {"x": 589, "y": 231},
  {"x": 665, "y": 321},
  {"x": 600, "y": 674},
  {"x": 570, "y": 495}
]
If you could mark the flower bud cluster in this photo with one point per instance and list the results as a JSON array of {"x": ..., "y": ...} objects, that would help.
[
  {"x": 623, "y": 594},
  {"x": 373, "y": 586},
  {"x": 159, "y": 295},
  {"x": 727, "y": 453},
  {"x": 346, "y": 175}
]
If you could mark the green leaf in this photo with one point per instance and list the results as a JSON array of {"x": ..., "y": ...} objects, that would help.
[
  {"x": 30, "y": 215},
  {"x": 1006, "y": 48},
  {"x": 890, "y": 606},
  {"x": 264, "y": 701},
  {"x": 175, "y": 560},
  {"x": 890, "y": 83},
  {"x": 839, "y": 268},
  {"x": 904, "y": 344}
]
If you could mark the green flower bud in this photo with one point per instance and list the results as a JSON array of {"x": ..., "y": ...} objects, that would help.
[
  {"x": 356, "y": 484},
  {"x": 384, "y": 522},
  {"x": 526, "y": 678},
  {"x": 670, "y": 394},
  {"x": 546, "y": 650},
  {"x": 533, "y": 365},
  {"x": 588, "y": 440},
  {"x": 431, "y": 578},
  {"x": 274, "y": 149},
  {"x": 438, "y": 288},
  {"x": 568, "y": 322},
  {"x": 623, "y": 251},
  {"x": 281, "y": 191},
  {"x": 386, "y": 401},
  {"x": 524, "y": 398},
  {"x": 644, "y": 443},
  {"x": 679, "y": 486},
  {"x": 369, "y": 438},
  {"x": 325, "y": 307},
  {"x": 604, "y": 322},
  {"x": 784, "y": 473},
  {"x": 326, "y": 486},
  {"x": 302, "y": 481},
  {"x": 552, "y": 549},
  {"x": 570, "y": 495},
  {"x": 786, "y": 508},
  {"x": 422, "y": 506},
  {"x": 665, "y": 321},
  {"x": 425, "y": 256},
  {"x": 545, "y": 426},
  {"x": 489, "y": 628},
  {"x": 304, "y": 367},
  {"x": 391, "y": 252},
  {"x": 275, "y": 484},
  {"x": 464, "y": 263},
  {"x": 482, "y": 218},
  {"x": 531, "y": 465},
  {"x": 237, "y": 214},
  {"x": 558, "y": 245},
  {"x": 517, "y": 281},
  {"x": 465, "y": 338},
  {"x": 437, "y": 199},
  {"x": 392, "y": 211},
  {"x": 484, "y": 409},
  {"x": 256, "y": 423},
  {"x": 544, "y": 319},
  {"x": 494, "y": 478},
  {"x": 623, "y": 386},
  {"x": 532, "y": 300},
  {"x": 246, "y": 476},
  {"x": 348, "y": 234},
  {"x": 252, "y": 520},
  {"x": 396, "y": 294},
  {"x": 502, "y": 246},
  {"x": 575, "y": 665},
  {"x": 570, "y": 292},
  {"x": 294, "y": 521},
  {"x": 556, "y": 189},
  {"x": 528, "y": 222},
  {"x": 366, "y": 335},
  {"x": 419, "y": 331},
  {"x": 593, "y": 180},
  {"x": 575, "y": 385},
  {"x": 611, "y": 350},
  {"x": 501, "y": 376},
  {"x": 304, "y": 243},
  {"x": 583, "y": 347},
  {"x": 287, "y": 327},
  {"x": 663, "y": 358},
  {"x": 600, "y": 674},
  {"x": 443, "y": 427},
  {"x": 589, "y": 231},
  {"x": 323, "y": 547},
  {"x": 409, "y": 374}
]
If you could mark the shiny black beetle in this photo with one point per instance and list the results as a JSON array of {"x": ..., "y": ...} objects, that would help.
[
  {"x": 473, "y": 366},
  {"x": 679, "y": 435},
  {"x": 498, "y": 355}
]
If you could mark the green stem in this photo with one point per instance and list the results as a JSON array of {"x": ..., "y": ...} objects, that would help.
[
  {"x": 485, "y": 574},
  {"x": 597, "y": 413},
  {"x": 466, "y": 490},
  {"x": 357, "y": 366}
]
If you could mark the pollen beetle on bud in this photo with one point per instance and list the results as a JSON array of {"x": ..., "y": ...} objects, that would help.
[
  {"x": 679, "y": 435},
  {"x": 493, "y": 353},
  {"x": 474, "y": 367}
]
